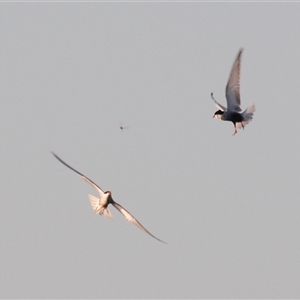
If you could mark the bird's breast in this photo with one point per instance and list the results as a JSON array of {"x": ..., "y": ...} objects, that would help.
[{"x": 105, "y": 200}]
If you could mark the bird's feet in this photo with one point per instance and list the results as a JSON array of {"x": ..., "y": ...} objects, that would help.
[{"x": 235, "y": 131}]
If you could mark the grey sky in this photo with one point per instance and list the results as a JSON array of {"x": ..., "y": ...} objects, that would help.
[{"x": 227, "y": 206}]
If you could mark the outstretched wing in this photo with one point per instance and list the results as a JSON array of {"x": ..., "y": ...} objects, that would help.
[
  {"x": 92, "y": 183},
  {"x": 233, "y": 86},
  {"x": 128, "y": 216},
  {"x": 218, "y": 105}
]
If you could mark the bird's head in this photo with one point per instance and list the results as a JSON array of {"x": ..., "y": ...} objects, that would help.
[
  {"x": 218, "y": 114},
  {"x": 108, "y": 192}
]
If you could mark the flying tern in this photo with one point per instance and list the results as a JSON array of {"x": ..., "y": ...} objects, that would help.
[
  {"x": 100, "y": 205},
  {"x": 233, "y": 111}
]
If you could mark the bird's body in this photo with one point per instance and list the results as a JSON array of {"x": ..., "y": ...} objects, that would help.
[
  {"x": 100, "y": 205},
  {"x": 232, "y": 116},
  {"x": 233, "y": 111}
]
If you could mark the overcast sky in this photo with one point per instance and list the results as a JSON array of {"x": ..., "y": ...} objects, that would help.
[{"x": 227, "y": 206}]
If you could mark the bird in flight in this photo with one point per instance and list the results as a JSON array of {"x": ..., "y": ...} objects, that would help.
[
  {"x": 233, "y": 111},
  {"x": 100, "y": 205}
]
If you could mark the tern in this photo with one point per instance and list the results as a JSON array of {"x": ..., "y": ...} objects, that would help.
[
  {"x": 100, "y": 205},
  {"x": 233, "y": 111}
]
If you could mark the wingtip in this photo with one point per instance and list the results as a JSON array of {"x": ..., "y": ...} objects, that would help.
[
  {"x": 212, "y": 97},
  {"x": 55, "y": 155},
  {"x": 159, "y": 240}
]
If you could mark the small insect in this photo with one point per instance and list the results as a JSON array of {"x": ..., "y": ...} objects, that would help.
[{"x": 123, "y": 127}]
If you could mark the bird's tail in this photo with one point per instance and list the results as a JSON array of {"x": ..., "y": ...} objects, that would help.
[
  {"x": 107, "y": 213},
  {"x": 98, "y": 208},
  {"x": 247, "y": 116}
]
